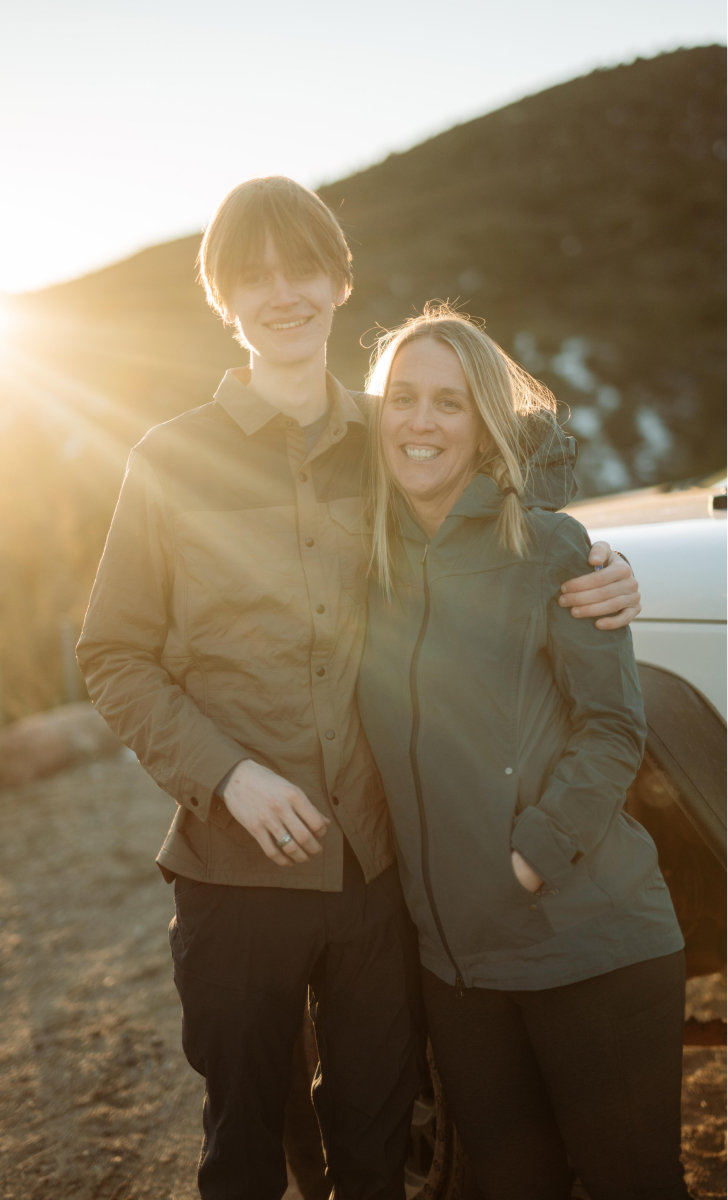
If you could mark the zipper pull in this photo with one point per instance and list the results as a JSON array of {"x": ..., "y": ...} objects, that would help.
[
  {"x": 424, "y": 556},
  {"x": 459, "y": 986}
]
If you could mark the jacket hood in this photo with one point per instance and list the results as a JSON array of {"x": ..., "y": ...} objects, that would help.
[{"x": 550, "y": 483}]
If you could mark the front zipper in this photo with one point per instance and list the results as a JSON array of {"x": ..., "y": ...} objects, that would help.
[{"x": 424, "y": 833}]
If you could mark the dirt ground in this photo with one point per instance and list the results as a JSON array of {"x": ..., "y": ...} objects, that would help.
[{"x": 96, "y": 1099}]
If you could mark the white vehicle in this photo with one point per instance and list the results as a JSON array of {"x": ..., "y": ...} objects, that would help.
[
  {"x": 677, "y": 542},
  {"x": 675, "y": 539}
]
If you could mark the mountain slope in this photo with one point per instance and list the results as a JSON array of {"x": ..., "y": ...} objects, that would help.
[
  {"x": 593, "y": 211},
  {"x": 588, "y": 219},
  {"x": 585, "y": 224}
]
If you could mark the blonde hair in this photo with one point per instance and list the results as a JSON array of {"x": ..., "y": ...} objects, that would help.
[
  {"x": 306, "y": 234},
  {"x": 507, "y": 400}
]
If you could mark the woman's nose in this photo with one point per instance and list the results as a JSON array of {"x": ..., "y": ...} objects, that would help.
[{"x": 422, "y": 418}]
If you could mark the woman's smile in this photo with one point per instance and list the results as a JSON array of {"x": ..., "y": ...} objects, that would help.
[
  {"x": 422, "y": 453},
  {"x": 432, "y": 433}
]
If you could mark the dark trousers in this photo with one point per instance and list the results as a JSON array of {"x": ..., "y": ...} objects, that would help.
[
  {"x": 244, "y": 959},
  {"x": 592, "y": 1069}
]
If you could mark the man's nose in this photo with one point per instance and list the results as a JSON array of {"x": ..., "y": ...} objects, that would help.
[{"x": 283, "y": 293}]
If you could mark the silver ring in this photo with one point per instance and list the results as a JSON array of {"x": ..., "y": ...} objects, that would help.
[{"x": 281, "y": 842}]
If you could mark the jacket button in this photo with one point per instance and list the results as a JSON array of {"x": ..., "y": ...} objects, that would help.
[
  {"x": 337, "y": 432},
  {"x": 217, "y": 806},
  {"x": 320, "y": 608},
  {"x": 330, "y": 734},
  {"x": 509, "y": 770},
  {"x": 194, "y": 801},
  {"x": 335, "y": 800},
  {"x": 533, "y": 907},
  {"x": 303, "y": 476},
  {"x": 308, "y": 542},
  {"x": 320, "y": 671}
]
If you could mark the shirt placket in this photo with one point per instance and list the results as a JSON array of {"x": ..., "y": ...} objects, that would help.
[{"x": 314, "y": 539}]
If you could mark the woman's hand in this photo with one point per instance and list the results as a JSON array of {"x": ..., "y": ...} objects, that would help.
[
  {"x": 525, "y": 875},
  {"x": 612, "y": 594}
]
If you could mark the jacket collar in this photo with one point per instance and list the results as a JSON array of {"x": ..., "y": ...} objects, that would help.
[{"x": 251, "y": 412}]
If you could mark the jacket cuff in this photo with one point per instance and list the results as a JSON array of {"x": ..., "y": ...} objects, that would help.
[
  {"x": 204, "y": 774},
  {"x": 546, "y": 849},
  {"x": 220, "y": 789}
]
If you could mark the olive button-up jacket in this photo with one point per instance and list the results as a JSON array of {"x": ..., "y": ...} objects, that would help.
[{"x": 227, "y": 621}]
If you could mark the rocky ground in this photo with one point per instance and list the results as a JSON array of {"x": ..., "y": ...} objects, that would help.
[{"x": 96, "y": 1099}]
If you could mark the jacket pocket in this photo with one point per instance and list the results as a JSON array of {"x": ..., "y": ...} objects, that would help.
[
  {"x": 581, "y": 899},
  {"x": 352, "y": 545},
  {"x": 505, "y": 915},
  {"x": 625, "y": 858},
  {"x": 184, "y": 884}
]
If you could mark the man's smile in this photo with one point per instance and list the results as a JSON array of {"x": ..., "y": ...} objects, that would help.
[{"x": 288, "y": 324}]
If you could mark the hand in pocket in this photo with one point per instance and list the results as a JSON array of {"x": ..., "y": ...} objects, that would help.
[{"x": 525, "y": 875}]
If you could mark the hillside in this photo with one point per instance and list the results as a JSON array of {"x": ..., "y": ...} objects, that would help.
[{"x": 586, "y": 224}]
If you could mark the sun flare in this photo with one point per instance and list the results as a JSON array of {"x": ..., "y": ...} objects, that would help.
[{"x": 8, "y": 322}]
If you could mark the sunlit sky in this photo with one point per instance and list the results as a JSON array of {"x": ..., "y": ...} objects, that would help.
[{"x": 123, "y": 124}]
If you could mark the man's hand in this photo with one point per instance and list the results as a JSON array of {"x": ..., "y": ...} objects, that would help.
[
  {"x": 525, "y": 875},
  {"x": 612, "y": 590},
  {"x": 270, "y": 807}
]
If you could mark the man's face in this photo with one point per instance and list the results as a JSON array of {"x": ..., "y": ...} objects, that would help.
[{"x": 285, "y": 318}]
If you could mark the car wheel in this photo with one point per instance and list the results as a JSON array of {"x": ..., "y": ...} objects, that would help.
[{"x": 436, "y": 1168}]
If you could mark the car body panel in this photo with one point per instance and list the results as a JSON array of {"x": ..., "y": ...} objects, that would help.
[{"x": 676, "y": 544}]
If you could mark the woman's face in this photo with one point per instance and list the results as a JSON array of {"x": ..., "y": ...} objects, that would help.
[{"x": 432, "y": 433}]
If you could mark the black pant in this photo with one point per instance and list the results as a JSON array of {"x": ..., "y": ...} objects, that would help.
[
  {"x": 243, "y": 961},
  {"x": 592, "y": 1068}
]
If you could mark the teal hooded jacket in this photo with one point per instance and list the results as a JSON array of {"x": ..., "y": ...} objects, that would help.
[{"x": 501, "y": 722}]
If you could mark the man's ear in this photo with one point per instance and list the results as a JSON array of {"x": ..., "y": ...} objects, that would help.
[{"x": 339, "y": 296}]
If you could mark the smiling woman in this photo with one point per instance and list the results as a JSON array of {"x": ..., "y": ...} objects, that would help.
[
  {"x": 453, "y": 404},
  {"x": 432, "y": 433},
  {"x": 506, "y": 734}
]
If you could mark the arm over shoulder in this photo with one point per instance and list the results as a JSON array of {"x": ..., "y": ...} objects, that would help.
[
  {"x": 123, "y": 637},
  {"x": 595, "y": 671}
]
